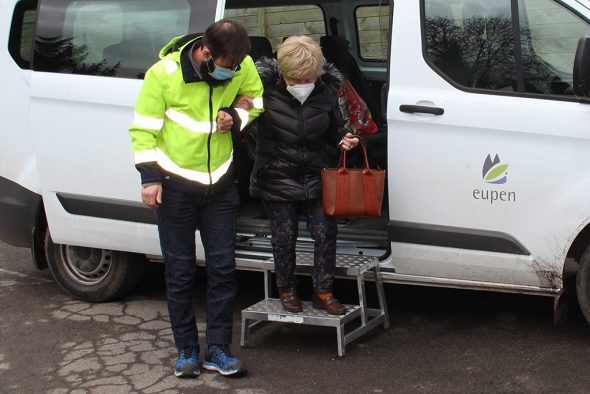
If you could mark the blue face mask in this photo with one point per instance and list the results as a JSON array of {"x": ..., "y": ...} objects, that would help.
[{"x": 220, "y": 73}]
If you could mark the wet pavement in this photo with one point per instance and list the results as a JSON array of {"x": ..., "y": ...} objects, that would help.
[{"x": 440, "y": 341}]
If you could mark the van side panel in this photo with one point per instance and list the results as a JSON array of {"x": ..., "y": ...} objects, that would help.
[
  {"x": 19, "y": 181},
  {"x": 438, "y": 166},
  {"x": 80, "y": 128}
]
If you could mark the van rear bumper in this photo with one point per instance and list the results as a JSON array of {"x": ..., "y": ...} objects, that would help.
[{"x": 18, "y": 213}]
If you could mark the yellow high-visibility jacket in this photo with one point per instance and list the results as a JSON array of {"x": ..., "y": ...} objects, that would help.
[{"x": 174, "y": 125}]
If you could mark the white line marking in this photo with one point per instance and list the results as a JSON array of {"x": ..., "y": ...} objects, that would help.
[{"x": 24, "y": 276}]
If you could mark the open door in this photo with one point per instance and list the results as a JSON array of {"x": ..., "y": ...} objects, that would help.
[{"x": 89, "y": 60}]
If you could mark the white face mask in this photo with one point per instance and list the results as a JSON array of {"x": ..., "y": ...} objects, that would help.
[{"x": 301, "y": 91}]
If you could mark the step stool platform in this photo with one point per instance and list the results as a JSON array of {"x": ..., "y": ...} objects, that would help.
[{"x": 270, "y": 309}]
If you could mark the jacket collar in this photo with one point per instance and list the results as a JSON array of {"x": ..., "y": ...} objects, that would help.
[
  {"x": 271, "y": 76},
  {"x": 188, "y": 71}
]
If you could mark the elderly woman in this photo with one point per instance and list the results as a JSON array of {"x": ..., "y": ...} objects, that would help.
[{"x": 300, "y": 123}]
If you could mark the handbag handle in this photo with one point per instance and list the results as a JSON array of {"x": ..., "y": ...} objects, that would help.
[{"x": 342, "y": 162}]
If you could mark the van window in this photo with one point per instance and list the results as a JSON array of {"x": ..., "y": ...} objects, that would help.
[
  {"x": 20, "y": 44},
  {"x": 278, "y": 23},
  {"x": 473, "y": 43},
  {"x": 470, "y": 43},
  {"x": 372, "y": 24},
  {"x": 109, "y": 38},
  {"x": 549, "y": 35}
]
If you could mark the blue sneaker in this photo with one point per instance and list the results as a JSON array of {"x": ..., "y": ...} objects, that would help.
[
  {"x": 219, "y": 358},
  {"x": 187, "y": 365}
]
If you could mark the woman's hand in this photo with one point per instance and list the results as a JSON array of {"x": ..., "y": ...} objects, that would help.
[
  {"x": 349, "y": 142},
  {"x": 244, "y": 102}
]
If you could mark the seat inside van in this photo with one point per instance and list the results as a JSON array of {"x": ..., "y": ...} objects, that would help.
[
  {"x": 335, "y": 50},
  {"x": 261, "y": 47},
  {"x": 133, "y": 52}
]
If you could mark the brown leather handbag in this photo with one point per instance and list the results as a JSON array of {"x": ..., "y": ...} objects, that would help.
[{"x": 350, "y": 191}]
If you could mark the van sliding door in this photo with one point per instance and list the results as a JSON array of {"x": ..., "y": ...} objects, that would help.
[{"x": 89, "y": 60}]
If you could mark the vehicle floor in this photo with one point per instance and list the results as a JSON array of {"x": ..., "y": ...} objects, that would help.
[{"x": 252, "y": 219}]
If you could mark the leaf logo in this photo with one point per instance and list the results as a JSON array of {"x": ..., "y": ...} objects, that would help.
[{"x": 494, "y": 171}]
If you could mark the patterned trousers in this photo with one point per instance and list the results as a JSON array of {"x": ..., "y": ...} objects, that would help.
[{"x": 284, "y": 224}]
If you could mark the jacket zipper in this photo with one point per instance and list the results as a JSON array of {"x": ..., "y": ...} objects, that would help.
[
  {"x": 210, "y": 135},
  {"x": 302, "y": 148}
]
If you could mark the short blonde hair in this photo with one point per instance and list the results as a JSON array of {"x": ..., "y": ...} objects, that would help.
[{"x": 300, "y": 57}]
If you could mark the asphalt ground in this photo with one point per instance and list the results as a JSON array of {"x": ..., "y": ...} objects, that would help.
[{"x": 440, "y": 341}]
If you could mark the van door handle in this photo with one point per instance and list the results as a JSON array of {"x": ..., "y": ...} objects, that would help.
[{"x": 422, "y": 109}]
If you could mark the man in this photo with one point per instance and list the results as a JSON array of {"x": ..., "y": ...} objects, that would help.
[{"x": 182, "y": 140}]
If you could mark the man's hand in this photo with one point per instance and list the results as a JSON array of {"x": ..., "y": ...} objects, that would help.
[
  {"x": 224, "y": 122},
  {"x": 152, "y": 195},
  {"x": 244, "y": 102}
]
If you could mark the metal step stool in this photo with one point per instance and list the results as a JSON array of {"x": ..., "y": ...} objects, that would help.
[{"x": 270, "y": 309}]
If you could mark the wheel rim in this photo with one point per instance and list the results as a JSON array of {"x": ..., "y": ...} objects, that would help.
[{"x": 86, "y": 266}]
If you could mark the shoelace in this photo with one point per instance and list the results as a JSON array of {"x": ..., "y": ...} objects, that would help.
[
  {"x": 184, "y": 357},
  {"x": 223, "y": 354}
]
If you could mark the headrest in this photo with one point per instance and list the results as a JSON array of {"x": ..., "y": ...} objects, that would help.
[
  {"x": 260, "y": 47},
  {"x": 335, "y": 50}
]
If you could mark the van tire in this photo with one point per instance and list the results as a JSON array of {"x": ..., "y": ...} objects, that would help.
[
  {"x": 93, "y": 275},
  {"x": 583, "y": 284}
]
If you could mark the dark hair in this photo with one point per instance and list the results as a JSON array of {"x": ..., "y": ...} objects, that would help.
[{"x": 227, "y": 38}]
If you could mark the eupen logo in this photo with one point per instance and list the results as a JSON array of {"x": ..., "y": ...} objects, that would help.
[{"x": 494, "y": 172}]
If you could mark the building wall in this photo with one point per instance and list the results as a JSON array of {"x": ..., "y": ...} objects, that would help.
[{"x": 276, "y": 23}]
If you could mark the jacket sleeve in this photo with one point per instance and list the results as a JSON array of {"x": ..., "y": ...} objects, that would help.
[
  {"x": 251, "y": 86},
  {"x": 337, "y": 130},
  {"x": 148, "y": 120}
]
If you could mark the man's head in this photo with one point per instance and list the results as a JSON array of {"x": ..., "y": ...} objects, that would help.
[
  {"x": 228, "y": 43},
  {"x": 224, "y": 46}
]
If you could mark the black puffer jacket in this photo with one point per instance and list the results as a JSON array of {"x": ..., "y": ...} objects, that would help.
[{"x": 295, "y": 141}]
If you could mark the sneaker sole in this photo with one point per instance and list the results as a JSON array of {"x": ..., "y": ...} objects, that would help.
[
  {"x": 214, "y": 367},
  {"x": 187, "y": 372}
]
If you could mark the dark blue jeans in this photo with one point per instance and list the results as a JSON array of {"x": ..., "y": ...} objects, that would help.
[{"x": 179, "y": 216}]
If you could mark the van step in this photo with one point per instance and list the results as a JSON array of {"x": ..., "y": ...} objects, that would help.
[
  {"x": 357, "y": 230},
  {"x": 252, "y": 245}
]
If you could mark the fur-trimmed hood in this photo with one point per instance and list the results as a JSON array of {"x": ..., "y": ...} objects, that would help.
[{"x": 269, "y": 72}]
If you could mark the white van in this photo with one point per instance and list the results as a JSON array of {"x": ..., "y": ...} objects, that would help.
[{"x": 482, "y": 107}]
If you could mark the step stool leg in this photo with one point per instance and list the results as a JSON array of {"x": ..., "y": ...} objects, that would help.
[
  {"x": 340, "y": 340},
  {"x": 381, "y": 295},
  {"x": 267, "y": 284},
  {"x": 244, "y": 335},
  {"x": 360, "y": 280}
]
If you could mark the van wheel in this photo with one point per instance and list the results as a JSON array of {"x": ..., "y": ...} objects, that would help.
[
  {"x": 93, "y": 275},
  {"x": 583, "y": 284}
]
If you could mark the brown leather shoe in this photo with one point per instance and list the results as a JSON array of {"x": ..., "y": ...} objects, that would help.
[
  {"x": 330, "y": 304},
  {"x": 290, "y": 301}
]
